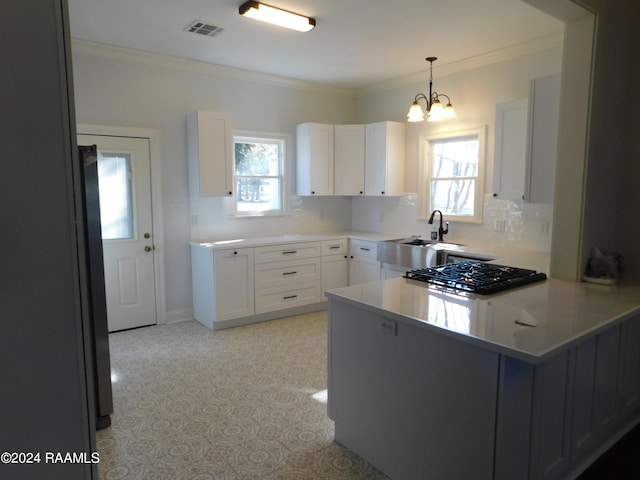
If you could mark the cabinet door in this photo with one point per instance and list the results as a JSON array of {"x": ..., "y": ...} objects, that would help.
[
  {"x": 349, "y": 143},
  {"x": 384, "y": 158},
  {"x": 543, "y": 139},
  {"x": 511, "y": 149},
  {"x": 314, "y": 145},
  {"x": 335, "y": 272},
  {"x": 233, "y": 283},
  {"x": 387, "y": 273},
  {"x": 362, "y": 271},
  {"x": 210, "y": 152}
]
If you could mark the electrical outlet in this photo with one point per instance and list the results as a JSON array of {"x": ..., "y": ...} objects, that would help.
[
  {"x": 544, "y": 228},
  {"x": 389, "y": 327}
]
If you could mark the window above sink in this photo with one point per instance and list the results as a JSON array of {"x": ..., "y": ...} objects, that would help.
[{"x": 451, "y": 169}]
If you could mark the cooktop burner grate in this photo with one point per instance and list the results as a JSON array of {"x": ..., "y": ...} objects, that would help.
[{"x": 476, "y": 277}]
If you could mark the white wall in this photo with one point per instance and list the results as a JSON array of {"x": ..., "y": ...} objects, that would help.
[
  {"x": 124, "y": 88},
  {"x": 474, "y": 94}
]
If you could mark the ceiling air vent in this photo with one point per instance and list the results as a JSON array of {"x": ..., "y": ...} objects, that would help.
[{"x": 203, "y": 28}]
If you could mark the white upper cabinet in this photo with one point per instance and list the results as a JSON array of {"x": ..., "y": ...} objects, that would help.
[
  {"x": 511, "y": 149},
  {"x": 384, "y": 158},
  {"x": 526, "y": 144},
  {"x": 210, "y": 152},
  {"x": 314, "y": 145},
  {"x": 540, "y": 173},
  {"x": 349, "y": 142}
]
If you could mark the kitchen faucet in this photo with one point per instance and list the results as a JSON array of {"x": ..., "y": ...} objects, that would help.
[{"x": 441, "y": 231}]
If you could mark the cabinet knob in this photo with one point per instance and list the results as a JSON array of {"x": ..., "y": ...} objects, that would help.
[
  {"x": 313, "y": 193},
  {"x": 361, "y": 192},
  {"x": 495, "y": 194},
  {"x": 235, "y": 253},
  {"x": 230, "y": 193},
  {"x": 382, "y": 193}
]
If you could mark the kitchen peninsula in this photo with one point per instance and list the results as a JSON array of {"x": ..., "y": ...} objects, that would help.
[{"x": 533, "y": 383}]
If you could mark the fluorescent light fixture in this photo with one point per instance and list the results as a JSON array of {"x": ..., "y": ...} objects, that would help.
[{"x": 277, "y": 16}]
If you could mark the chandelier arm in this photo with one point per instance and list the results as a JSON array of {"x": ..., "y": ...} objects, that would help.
[
  {"x": 442, "y": 95},
  {"x": 421, "y": 96}
]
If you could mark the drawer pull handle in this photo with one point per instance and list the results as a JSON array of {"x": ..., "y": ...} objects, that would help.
[
  {"x": 289, "y": 273},
  {"x": 333, "y": 247},
  {"x": 365, "y": 249},
  {"x": 289, "y": 252},
  {"x": 288, "y": 297}
]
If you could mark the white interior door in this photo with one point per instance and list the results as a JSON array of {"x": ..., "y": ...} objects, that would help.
[{"x": 124, "y": 176}]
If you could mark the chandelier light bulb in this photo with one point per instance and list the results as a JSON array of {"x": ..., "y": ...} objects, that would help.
[{"x": 415, "y": 113}]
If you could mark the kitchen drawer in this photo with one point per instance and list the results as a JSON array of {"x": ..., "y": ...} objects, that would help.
[
  {"x": 272, "y": 299},
  {"x": 364, "y": 250},
  {"x": 335, "y": 247},
  {"x": 289, "y": 251},
  {"x": 287, "y": 272}
]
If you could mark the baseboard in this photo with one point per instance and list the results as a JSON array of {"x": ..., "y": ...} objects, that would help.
[
  {"x": 263, "y": 317},
  {"x": 182, "y": 315}
]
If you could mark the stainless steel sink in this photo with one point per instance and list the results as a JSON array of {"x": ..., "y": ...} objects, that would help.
[
  {"x": 412, "y": 252},
  {"x": 415, "y": 252}
]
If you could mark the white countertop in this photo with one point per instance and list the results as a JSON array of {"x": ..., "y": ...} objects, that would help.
[
  {"x": 564, "y": 313},
  {"x": 240, "y": 242}
]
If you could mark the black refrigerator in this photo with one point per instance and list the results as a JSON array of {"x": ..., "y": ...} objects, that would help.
[{"x": 96, "y": 301}]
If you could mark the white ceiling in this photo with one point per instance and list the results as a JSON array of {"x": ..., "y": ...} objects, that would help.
[{"x": 356, "y": 43}]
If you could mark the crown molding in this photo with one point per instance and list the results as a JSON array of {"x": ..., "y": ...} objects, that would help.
[
  {"x": 196, "y": 66},
  {"x": 200, "y": 67},
  {"x": 541, "y": 44}
]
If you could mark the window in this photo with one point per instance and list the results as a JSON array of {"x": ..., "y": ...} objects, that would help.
[
  {"x": 259, "y": 174},
  {"x": 116, "y": 204},
  {"x": 452, "y": 168}
]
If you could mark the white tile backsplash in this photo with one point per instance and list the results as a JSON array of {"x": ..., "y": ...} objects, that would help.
[{"x": 520, "y": 224}]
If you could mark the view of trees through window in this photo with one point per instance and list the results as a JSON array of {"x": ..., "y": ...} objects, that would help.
[
  {"x": 258, "y": 172},
  {"x": 454, "y": 174}
]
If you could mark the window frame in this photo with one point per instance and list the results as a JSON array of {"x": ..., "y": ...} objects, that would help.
[
  {"x": 262, "y": 137},
  {"x": 425, "y": 168}
]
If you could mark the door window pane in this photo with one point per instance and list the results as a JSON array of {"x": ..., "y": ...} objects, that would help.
[{"x": 116, "y": 205}]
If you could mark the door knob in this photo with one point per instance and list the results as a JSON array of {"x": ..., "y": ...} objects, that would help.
[
  {"x": 147, "y": 235},
  {"x": 147, "y": 248}
]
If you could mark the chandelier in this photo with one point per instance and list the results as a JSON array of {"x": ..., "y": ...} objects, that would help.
[{"x": 435, "y": 110}]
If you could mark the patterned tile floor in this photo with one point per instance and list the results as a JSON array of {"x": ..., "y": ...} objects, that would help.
[{"x": 228, "y": 405}]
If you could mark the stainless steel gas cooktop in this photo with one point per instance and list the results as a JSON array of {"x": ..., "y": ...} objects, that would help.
[{"x": 476, "y": 277}]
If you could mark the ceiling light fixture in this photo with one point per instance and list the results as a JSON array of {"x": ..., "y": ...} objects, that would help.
[
  {"x": 277, "y": 16},
  {"x": 435, "y": 110}
]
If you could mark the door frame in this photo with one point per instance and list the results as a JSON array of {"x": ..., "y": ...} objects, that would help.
[{"x": 153, "y": 137}]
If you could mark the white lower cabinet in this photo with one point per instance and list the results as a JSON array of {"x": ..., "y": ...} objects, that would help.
[
  {"x": 335, "y": 264},
  {"x": 222, "y": 284},
  {"x": 236, "y": 286},
  {"x": 363, "y": 262},
  {"x": 280, "y": 298},
  {"x": 392, "y": 271},
  {"x": 282, "y": 283}
]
